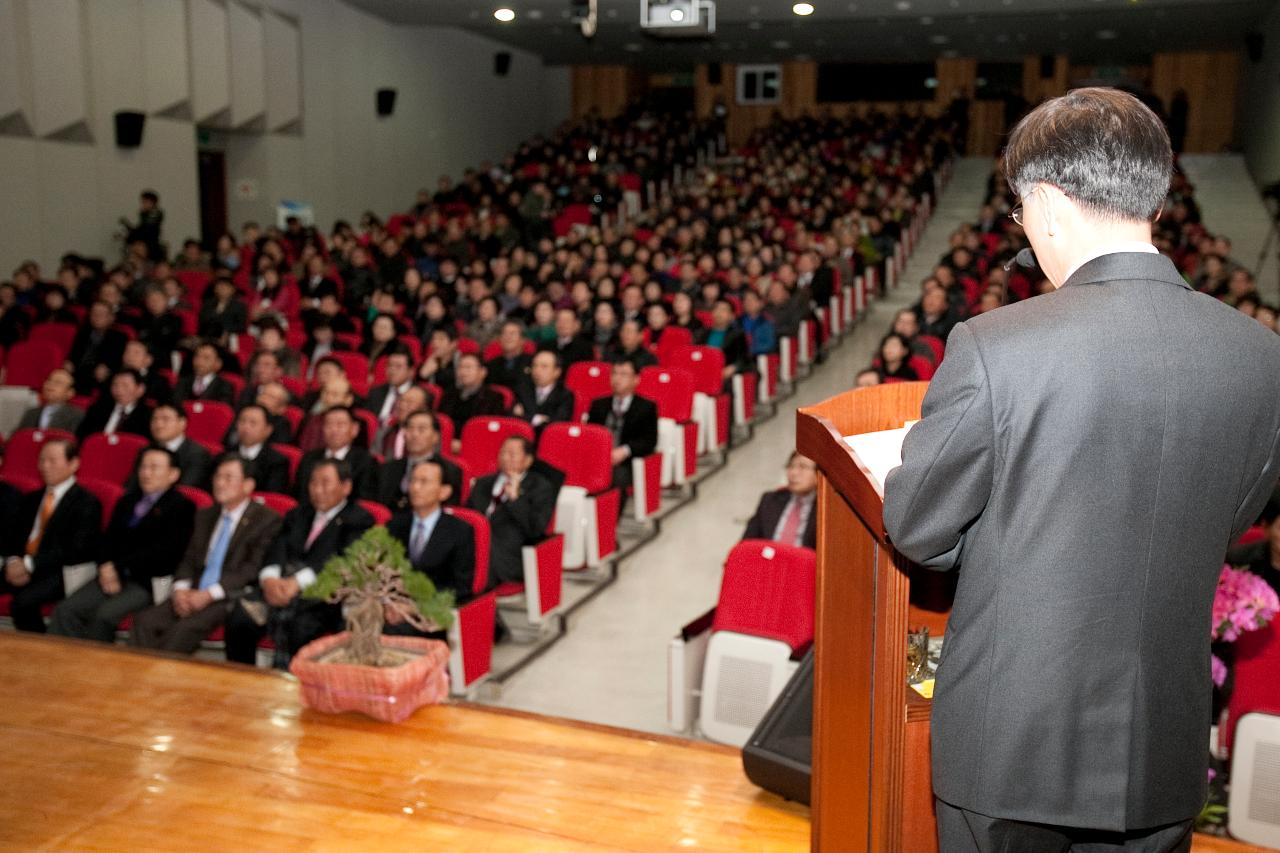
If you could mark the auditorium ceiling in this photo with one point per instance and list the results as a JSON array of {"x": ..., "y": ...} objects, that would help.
[{"x": 1103, "y": 32}]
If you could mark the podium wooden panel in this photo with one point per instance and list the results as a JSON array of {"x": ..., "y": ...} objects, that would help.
[{"x": 871, "y": 787}]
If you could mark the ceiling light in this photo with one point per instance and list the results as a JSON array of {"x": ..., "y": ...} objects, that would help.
[
  {"x": 803, "y": 8},
  {"x": 504, "y": 15},
  {"x": 676, "y": 14}
]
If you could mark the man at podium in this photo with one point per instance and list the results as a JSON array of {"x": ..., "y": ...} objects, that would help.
[{"x": 1083, "y": 460}]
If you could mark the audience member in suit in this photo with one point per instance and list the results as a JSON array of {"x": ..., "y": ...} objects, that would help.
[
  {"x": 224, "y": 313},
  {"x": 313, "y": 531},
  {"x": 421, "y": 444},
  {"x": 630, "y": 345},
  {"x": 266, "y": 371},
  {"x": 788, "y": 515},
  {"x": 936, "y": 316},
  {"x": 726, "y": 337},
  {"x": 138, "y": 357},
  {"x": 439, "y": 367},
  {"x": 53, "y": 527},
  {"x": 204, "y": 383},
  {"x": 569, "y": 343},
  {"x": 518, "y": 501},
  {"x": 159, "y": 329},
  {"x": 335, "y": 393},
  {"x": 340, "y": 429},
  {"x": 55, "y": 410},
  {"x": 439, "y": 545},
  {"x": 273, "y": 399},
  {"x": 389, "y": 439},
  {"x": 382, "y": 398},
  {"x": 632, "y": 419},
  {"x": 511, "y": 365},
  {"x": 268, "y": 467},
  {"x": 120, "y": 411},
  {"x": 470, "y": 398},
  {"x": 225, "y": 551},
  {"x": 147, "y": 535},
  {"x": 540, "y": 397},
  {"x": 97, "y": 349},
  {"x": 169, "y": 431}
]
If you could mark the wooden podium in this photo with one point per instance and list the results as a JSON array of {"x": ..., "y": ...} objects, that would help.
[{"x": 871, "y": 783}]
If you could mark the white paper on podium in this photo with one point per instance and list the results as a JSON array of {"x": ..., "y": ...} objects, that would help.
[{"x": 879, "y": 452}]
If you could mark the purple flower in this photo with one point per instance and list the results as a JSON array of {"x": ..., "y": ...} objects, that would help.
[{"x": 1218, "y": 670}]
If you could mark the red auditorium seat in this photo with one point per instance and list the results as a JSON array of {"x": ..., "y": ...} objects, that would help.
[
  {"x": 370, "y": 421},
  {"x": 296, "y": 386},
  {"x": 23, "y": 451},
  {"x": 107, "y": 493},
  {"x": 381, "y": 515},
  {"x": 542, "y": 588},
  {"x": 208, "y": 420},
  {"x": 444, "y": 423},
  {"x": 110, "y": 457},
  {"x": 587, "y": 507},
  {"x": 434, "y": 393},
  {"x": 922, "y": 366},
  {"x": 195, "y": 281},
  {"x": 482, "y": 436},
  {"x": 671, "y": 389},
  {"x": 293, "y": 414},
  {"x": 357, "y": 367},
  {"x": 767, "y": 590},
  {"x": 277, "y": 503},
  {"x": 29, "y": 362},
  {"x": 711, "y": 407},
  {"x": 61, "y": 335},
  {"x": 589, "y": 378},
  {"x": 237, "y": 382},
  {"x": 199, "y": 497},
  {"x": 291, "y": 452},
  {"x": 466, "y": 346},
  {"x": 471, "y": 634},
  {"x": 493, "y": 349},
  {"x": 768, "y": 366},
  {"x": 1256, "y": 688},
  {"x": 673, "y": 337}
]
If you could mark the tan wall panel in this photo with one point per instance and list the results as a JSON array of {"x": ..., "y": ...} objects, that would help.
[{"x": 1211, "y": 80}]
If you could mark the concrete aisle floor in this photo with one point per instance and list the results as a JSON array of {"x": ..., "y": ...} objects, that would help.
[{"x": 611, "y": 667}]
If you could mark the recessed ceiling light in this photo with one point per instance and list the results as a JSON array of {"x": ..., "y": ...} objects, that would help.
[
  {"x": 781, "y": 44},
  {"x": 803, "y": 8},
  {"x": 1106, "y": 35},
  {"x": 504, "y": 15},
  {"x": 903, "y": 5},
  {"x": 676, "y": 14}
]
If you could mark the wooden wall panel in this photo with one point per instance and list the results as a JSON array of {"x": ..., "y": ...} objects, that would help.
[
  {"x": 606, "y": 89},
  {"x": 986, "y": 128},
  {"x": 956, "y": 78},
  {"x": 1036, "y": 88},
  {"x": 1211, "y": 80}
]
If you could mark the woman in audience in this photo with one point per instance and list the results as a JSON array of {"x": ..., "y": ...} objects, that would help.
[
  {"x": 380, "y": 336},
  {"x": 683, "y": 315},
  {"x": 487, "y": 323},
  {"x": 894, "y": 353}
]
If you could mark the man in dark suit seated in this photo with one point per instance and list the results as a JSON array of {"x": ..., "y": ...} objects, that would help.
[
  {"x": 339, "y": 430},
  {"x": 519, "y": 501},
  {"x": 632, "y": 419},
  {"x": 266, "y": 370},
  {"x": 470, "y": 398},
  {"x": 511, "y": 365},
  {"x": 439, "y": 368},
  {"x": 313, "y": 531},
  {"x": 631, "y": 346},
  {"x": 146, "y": 538},
  {"x": 55, "y": 410},
  {"x": 389, "y": 440},
  {"x": 169, "y": 431},
  {"x": 421, "y": 444},
  {"x": 138, "y": 357},
  {"x": 787, "y": 515},
  {"x": 54, "y": 527},
  {"x": 97, "y": 349},
  {"x": 569, "y": 343},
  {"x": 204, "y": 383},
  {"x": 222, "y": 558},
  {"x": 382, "y": 398},
  {"x": 266, "y": 466},
  {"x": 541, "y": 399},
  {"x": 439, "y": 546},
  {"x": 935, "y": 316},
  {"x": 120, "y": 411}
]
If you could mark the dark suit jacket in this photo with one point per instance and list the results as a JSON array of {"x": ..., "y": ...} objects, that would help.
[
  {"x": 377, "y": 399},
  {"x": 245, "y": 551},
  {"x": 71, "y": 536},
  {"x": 153, "y": 546},
  {"x": 557, "y": 407},
  {"x": 270, "y": 471},
  {"x": 390, "y": 473},
  {"x": 137, "y": 422},
  {"x": 66, "y": 417},
  {"x": 639, "y": 425},
  {"x": 507, "y": 374},
  {"x": 194, "y": 461},
  {"x": 578, "y": 349},
  {"x": 514, "y": 524},
  {"x": 85, "y": 355},
  {"x": 449, "y": 557},
  {"x": 459, "y": 410},
  {"x": 219, "y": 390},
  {"x": 363, "y": 472},
  {"x": 1086, "y": 456},
  {"x": 289, "y": 548},
  {"x": 769, "y": 511}
]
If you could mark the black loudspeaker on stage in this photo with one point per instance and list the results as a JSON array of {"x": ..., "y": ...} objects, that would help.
[
  {"x": 129, "y": 128},
  {"x": 501, "y": 63},
  {"x": 386, "y": 102},
  {"x": 779, "y": 755}
]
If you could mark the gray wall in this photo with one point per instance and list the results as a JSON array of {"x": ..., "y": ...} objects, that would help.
[
  {"x": 1260, "y": 105},
  {"x": 288, "y": 87}
]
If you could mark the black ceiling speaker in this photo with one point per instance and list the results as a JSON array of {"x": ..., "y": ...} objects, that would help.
[
  {"x": 713, "y": 74},
  {"x": 386, "y": 102},
  {"x": 1253, "y": 44},
  {"x": 129, "y": 128},
  {"x": 501, "y": 63}
]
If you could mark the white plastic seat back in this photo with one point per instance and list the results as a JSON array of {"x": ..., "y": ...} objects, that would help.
[
  {"x": 572, "y": 519},
  {"x": 1253, "y": 810},
  {"x": 741, "y": 677}
]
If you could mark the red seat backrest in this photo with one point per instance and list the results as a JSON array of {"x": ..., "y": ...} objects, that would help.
[
  {"x": 277, "y": 503},
  {"x": 208, "y": 420},
  {"x": 357, "y": 367},
  {"x": 292, "y": 453},
  {"x": 590, "y": 378},
  {"x": 582, "y": 452},
  {"x": 672, "y": 338},
  {"x": 768, "y": 591},
  {"x": 922, "y": 366},
  {"x": 237, "y": 382},
  {"x": 110, "y": 457},
  {"x": 199, "y": 497},
  {"x": 106, "y": 492},
  {"x": 482, "y": 436},
  {"x": 1257, "y": 660},
  {"x": 29, "y": 362},
  {"x": 706, "y": 364},
  {"x": 381, "y": 515},
  {"x": 480, "y": 527},
  {"x": 671, "y": 389},
  {"x": 22, "y": 452},
  {"x": 61, "y": 335},
  {"x": 935, "y": 344}
]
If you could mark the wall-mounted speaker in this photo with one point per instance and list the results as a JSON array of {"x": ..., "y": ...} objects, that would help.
[
  {"x": 1253, "y": 44},
  {"x": 501, "y": 63},
  {"x": 1047, "y": 63},
  {"x": 779, "y": 755},
  {"x": 386, "y": 102},
  {"x": 713, "y": 74},
  {"x": 129, "y": 128}
]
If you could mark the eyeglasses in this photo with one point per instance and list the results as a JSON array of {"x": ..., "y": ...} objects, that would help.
[{"x": 1016, "y": 214}]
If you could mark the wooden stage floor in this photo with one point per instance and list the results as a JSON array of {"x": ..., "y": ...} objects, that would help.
[{"x": 108, "y": 749}]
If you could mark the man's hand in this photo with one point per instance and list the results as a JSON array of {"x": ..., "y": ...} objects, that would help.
[
  {"x": 109, "y": 579},
  {"x": 280, "y": 591},
  {"x": 518, "y": 410},
  {"x": 199, "y": 599},
  {"x": 101, "y": 372},
  {"x": 620, "y": 454},
  {"x": 181, "y": 601},
  {"x": 15, "y": 572}
]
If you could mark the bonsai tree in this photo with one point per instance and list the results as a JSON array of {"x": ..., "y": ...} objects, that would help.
[{"x": 374, "y": 582}]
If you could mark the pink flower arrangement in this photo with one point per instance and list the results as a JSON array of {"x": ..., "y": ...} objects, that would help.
[{"x": 1243, "y": 602}]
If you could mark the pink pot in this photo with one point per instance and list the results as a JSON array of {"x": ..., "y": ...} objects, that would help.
[{"x": 388, "y": 693}]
